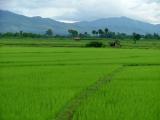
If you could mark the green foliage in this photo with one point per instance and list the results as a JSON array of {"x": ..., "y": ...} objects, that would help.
[
  {"x": 136, "y": 37},
  {"x": 73, "y": 33},
  {"x": 101, "y": 32},
  {"x": 152, "y": 36},
  {"x": 21, "y": 34},
  {"x": 49, "y": 32},
  {"x": 106, "y": 33},
  {"x": 115, "y": 43},
  {"x": 84, "y": 35},
  {"x": 95, "y": 44},
  {"x": 94, "y": 32},
  {"x": 106, "y": 30}
]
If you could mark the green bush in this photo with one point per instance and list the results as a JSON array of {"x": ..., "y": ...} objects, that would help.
[
  {"x": 95, "y": 44},
  {"x": 115, "y": 43}
]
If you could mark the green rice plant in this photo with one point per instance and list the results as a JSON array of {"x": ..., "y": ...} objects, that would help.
[
  {"x": 132, "y": 94},
  {"x": 38, "y": 82}
]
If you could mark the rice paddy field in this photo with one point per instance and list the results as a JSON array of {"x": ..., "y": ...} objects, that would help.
[
  {"x": 132, "y": 94},
  {"x": 62, "y": 83},
  {"x": 67, "y": 42}
]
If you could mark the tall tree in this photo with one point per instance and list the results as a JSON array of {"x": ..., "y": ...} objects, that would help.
[
  {"x": 156, "y": 36},
  {"x": 101, "y": 32},
  {"x": 21, "y": 33},
  {"x": 97, "y": 33},
  {"x": 49, "y": 32},
  {"x": 106, "y": 30},
  {"x": 94, "y": 32},
  {"x": 136, "y": 37}
]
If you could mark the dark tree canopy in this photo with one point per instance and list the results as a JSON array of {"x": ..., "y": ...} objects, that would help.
[
  {"x": 106, "y": 30},
  {"x": 49, "y": 32},
  {"x": 94, "y": 32},
  {"x": 73, "y": 33},
  {"x": 136, "y": 37}
]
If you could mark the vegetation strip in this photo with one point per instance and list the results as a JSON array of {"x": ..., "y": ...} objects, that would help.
[
  {"x": 69, "y": 109},
  {"x": 143, "y": 64}
]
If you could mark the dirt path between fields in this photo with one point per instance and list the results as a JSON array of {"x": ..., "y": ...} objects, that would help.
[{"x": 69, "y": 109}]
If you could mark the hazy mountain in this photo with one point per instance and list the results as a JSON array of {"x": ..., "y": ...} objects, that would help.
[
  {"x": 121, "y": 24},
  {"x": 11, "y": 22}
]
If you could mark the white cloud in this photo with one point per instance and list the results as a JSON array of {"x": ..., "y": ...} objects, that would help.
[{"x": 78, "y": 10}]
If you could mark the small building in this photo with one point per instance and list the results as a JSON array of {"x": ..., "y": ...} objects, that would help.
[{"x": 77, "y": 38}]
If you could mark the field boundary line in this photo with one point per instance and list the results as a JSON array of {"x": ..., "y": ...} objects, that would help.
[
  {"x": 69, "y": 109},
  {"x": 141, "y": 64}
]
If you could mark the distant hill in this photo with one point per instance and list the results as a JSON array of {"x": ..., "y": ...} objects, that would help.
[
  {"x": 11, "y": 22},
  {"x": 121, "y": 24}
]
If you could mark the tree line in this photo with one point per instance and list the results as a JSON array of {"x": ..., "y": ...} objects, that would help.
[
  {"x": 100, "y": 33},
  {"x": 106, "y": 33},
  {"x": 48, "y": 33}
]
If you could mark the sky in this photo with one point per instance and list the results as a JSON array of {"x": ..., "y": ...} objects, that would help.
[{"x": 86, "y": 10}]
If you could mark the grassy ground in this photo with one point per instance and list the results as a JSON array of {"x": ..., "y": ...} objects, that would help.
[
  {"x": 131, "y": 94},
  {"x": 67, "y": 42},
  {"x": 37, "y": 83},
  {"x": 40, "y": 42}
]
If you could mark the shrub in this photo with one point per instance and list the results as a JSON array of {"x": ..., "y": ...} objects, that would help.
[
  {"x": 95, "y": 44},
  {"x": 115, "y": 43}
]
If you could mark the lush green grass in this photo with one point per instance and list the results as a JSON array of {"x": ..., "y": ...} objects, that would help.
[
  {"x": 68, "y": 42},
  {"x": 132, "y": 94},
  {"x": 40, "y": 42},
  {"x": 37, "y": 82}
]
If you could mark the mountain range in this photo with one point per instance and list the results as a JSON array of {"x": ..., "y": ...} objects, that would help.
[{"x": 12, "y": 22}]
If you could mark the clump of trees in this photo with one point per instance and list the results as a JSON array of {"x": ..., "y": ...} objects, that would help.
[
  {"x": 103, "y": 33},
  {"x": 76, "y": 34},
  {"x": 21, "y": 34},
  {"x": 84, "y": 35},
  {"x": 94, "y": 34},
  {"x": 48, "y": 33},
  {"x": 73, "y": 33},
  {"x": 106, "y": 33},
  {"x": 152, "y": 36}
]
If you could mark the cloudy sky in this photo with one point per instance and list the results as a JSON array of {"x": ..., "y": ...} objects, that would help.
[{"x": 86, "y": 10}]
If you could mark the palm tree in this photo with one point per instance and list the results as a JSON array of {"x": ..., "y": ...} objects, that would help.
[
  {"x": 97, "y": 33},
  {"x": 106, "y": 30},
  {"x": 101, "y": 32},
  {"x": 93, "y": 32}
]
